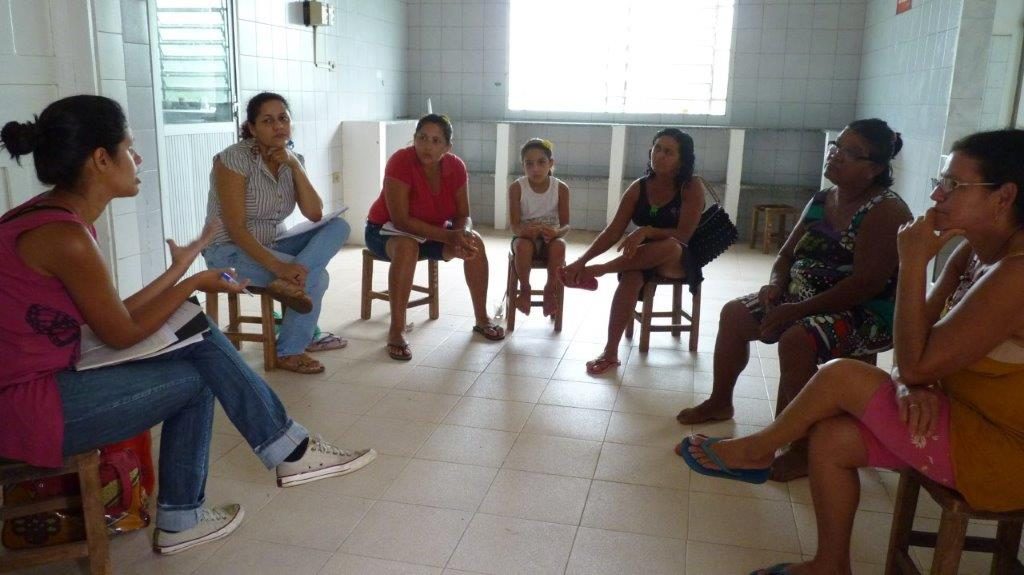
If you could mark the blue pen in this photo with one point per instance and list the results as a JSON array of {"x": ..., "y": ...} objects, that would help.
[{"x": 227, "y": 277}]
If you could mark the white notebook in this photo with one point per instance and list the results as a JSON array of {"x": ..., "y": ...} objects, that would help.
[
  {"x": 389, "y": 229},
  {"x": 303, "y": 227},
  {"x": 185, "y": 326}
]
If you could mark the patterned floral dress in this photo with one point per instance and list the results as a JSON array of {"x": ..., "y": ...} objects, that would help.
[{"x": 822, "y": 258}]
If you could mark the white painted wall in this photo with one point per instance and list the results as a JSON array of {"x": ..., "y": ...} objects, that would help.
[
  {"x": 368, "y": 45},
  {"x": 47, "y": 51},
  {"x": 796, "y": 64},
  {"x": 906, "y": 77}
]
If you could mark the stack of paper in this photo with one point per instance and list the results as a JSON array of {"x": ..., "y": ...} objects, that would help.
[{"x": 185, "y": 327}]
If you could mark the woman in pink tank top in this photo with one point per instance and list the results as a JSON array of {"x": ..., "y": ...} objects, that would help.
[{"x": 53, "y": 280}]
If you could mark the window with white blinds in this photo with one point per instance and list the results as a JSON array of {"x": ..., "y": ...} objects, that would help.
[
  {"x": 194, "y": 39},
  {"x": 620, "y": 56}
]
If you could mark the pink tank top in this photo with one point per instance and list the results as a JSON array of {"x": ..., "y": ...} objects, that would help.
[{"x": 39, "y": 336}]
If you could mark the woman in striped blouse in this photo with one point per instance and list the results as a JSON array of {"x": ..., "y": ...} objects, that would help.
[{"x": 254, "y": 185}]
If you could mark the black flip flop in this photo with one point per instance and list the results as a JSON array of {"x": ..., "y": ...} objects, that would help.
[
  {"x": 399, "y": 356},
  {"x": 491, "y": 331}
]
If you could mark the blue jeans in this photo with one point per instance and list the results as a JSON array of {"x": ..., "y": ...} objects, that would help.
[
  {"x": 110, "y": 404},
  {"x": 312, "y": 249}
]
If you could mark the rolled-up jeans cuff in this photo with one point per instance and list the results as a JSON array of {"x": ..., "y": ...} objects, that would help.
[
  {"x": 274, "y": 451},
  {"x": 177, "y": 517}
]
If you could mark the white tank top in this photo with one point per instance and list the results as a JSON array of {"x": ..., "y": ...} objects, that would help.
[{"x": 540, "y": 208}]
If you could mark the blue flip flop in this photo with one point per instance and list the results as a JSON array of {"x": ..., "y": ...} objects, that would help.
[
  {"x": 745, "y": 475},
  {"x": 777, "y": 569}
]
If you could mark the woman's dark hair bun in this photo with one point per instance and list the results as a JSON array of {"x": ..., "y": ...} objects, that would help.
[
  {"x": 897, "y": 143},
  {"x": 19, "y": 138}
]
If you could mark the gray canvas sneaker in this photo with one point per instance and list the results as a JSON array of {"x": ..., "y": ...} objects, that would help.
[
  {"x": 322, "y": 460},
  {"x": 215, "y": 523}
]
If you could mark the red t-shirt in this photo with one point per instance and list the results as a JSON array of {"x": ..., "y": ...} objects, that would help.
[{"x": 405, "y": 167}]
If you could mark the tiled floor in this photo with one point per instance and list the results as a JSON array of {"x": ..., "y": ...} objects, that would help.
[{"x": 506, "y": 457}]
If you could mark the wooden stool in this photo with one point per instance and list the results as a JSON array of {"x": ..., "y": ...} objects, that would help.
[
  {"x": 368, "y": 295},
  {"x": 512, "y": 290},
  {"x": 952, "y": 538},
  {"x": 265, "y": 321},
  {"x": 95, "y": 548},
  {"x": 647, "y": 314},
  {"x": 770, "y": 211}
]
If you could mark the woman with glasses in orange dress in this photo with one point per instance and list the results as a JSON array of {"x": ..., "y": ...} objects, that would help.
[{"x": 952, "y": 408}]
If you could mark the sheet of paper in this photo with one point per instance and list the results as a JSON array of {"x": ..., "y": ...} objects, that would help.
[
  {"x": 94, "y": 353},
  {"x": 389, "y": 229},
  {"x": 303, "y": 227}
]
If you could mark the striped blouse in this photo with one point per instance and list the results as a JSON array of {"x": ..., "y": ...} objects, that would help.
[{"x": 268, "y": 200}]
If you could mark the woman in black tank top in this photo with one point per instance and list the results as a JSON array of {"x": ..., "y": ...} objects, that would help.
[{"x": 665, "y": 206}]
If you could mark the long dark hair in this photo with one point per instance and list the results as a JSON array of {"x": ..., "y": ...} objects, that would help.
[
  {"x": 252, "y": 110},
  {"x": 1000, "y": 157},
  {"x": 686, "y": 155},
  {"x": 884, "y": 143},
  {"x": 64, "y": 136}
]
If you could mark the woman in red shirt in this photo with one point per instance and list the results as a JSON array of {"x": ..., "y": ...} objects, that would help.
[{"x": 423, "y": 212}]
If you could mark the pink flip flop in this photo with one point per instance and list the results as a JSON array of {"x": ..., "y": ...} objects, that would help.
[{"x": 601, "y": 365}]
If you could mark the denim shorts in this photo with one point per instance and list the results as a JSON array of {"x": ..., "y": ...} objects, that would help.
[{"x": 376, "y": 242}]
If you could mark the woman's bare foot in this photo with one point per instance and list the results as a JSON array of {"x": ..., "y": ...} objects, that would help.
[
  {"x": 705, "y": 412},
  {"x": 550, "y": 300},
  {"x": 523, "y": 299},
  {"x": 790, "y": 465},
  {"x": 734, "y": 454}
]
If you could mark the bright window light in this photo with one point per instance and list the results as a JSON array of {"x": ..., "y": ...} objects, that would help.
[{"x": 620, "y": 56}]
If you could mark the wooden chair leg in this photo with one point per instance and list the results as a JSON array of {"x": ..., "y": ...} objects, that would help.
[
  {"x": 435, "y": 297},
  {"x": 645, "y": 317},
  {"x": 629, "y": 325},
  {"x": 753, "y": 229},
  {"x": 560, "y": 294},
  {"x": 902, "y": 523},
  {"x": 767, "y": 240},
  {"x": 213, "y": 307},
  {"x": 269, "y": 337},
  {"x": 780, "y": 233},
  {"x": 1006, "y": 547},
  {"x": 511, "y": 293},
  {"x": 949, "y": 543},
  {"x": 695, "y": 320},
  {"x": 92, "y": 512},
  {"x": 677, "y": 308},
  {"x": 234, "y": 325},
  {"x": 364, "y": 306}
]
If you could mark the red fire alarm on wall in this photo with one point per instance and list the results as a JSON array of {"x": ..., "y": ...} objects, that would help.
[{"x": 902, "y": 6}]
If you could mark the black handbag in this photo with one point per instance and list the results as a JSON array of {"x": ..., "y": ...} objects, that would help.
[{"x": 715, "y": 232}]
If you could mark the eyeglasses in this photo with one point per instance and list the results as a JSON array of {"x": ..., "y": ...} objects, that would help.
[
  {"x": 834, "y": 149},
  {"x": 948, "y": 185}
]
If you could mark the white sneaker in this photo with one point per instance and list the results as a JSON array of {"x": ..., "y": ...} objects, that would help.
[
  {"x": 215, "y": 523},
  {"x": 322, "y": 460}
]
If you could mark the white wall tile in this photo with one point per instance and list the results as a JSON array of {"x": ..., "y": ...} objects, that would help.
[
  {"x": 135, "y": 21},
  {"x": 110, "y": 53},
  {"x": 129, "y": 275},
  {"x": 140, "y": 110},
  {"x": 108, "y": 15},
  {"x": 138, "y": 65},
  {"x": 31, "y": 32},
  {"x": 116, "y": 90}
]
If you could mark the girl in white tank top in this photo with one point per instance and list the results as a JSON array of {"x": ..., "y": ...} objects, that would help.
[
  {"x": 539, "y": 217},
  {"x": 538, "y": 208}
]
